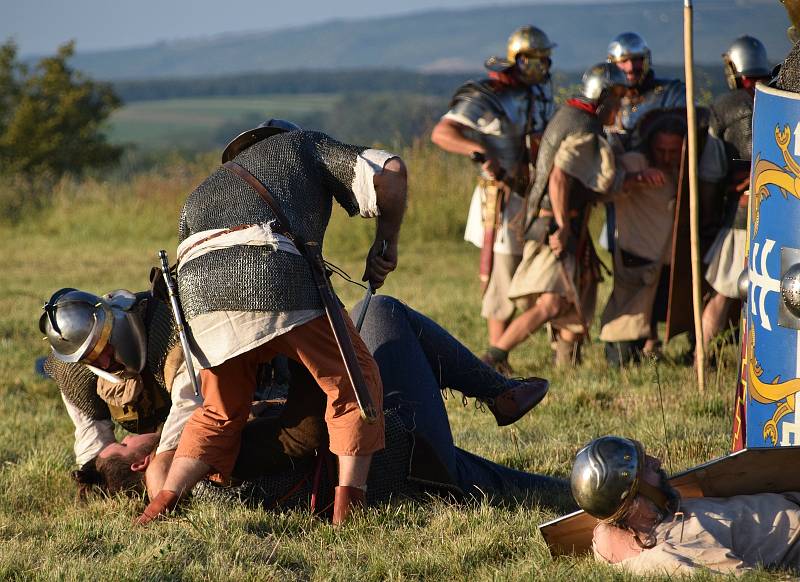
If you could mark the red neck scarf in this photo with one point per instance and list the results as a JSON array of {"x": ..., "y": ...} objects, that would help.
[
  {"x": 507, "y": 78},
  {"x": 583, "y": 105}
]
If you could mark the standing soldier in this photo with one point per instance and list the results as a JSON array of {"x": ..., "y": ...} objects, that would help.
[
  {"x": 557, "y": 273},
  {"x": 645, "y": 94},
  {"x": 724, "y": 185},
  {"x": 252, "y": 284},
  {"x": 497, "y": 122}
]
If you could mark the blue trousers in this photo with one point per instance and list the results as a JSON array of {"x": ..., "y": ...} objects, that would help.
[{"x": 418, "y": 359}]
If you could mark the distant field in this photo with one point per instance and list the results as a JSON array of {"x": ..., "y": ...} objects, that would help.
[{"x": 195, "y": 122}]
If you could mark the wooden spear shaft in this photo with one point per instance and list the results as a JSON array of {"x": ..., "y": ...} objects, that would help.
[{"x": 691, "y": 121}]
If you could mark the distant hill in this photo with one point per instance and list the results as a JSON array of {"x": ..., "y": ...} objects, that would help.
[{"x": 457, "y": 40}]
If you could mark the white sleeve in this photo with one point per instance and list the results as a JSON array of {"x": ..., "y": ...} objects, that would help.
[
  {"x": 91, "y": 436},
  {"x": 368, "y": 163},
  {"x": 184, "y": 403}
]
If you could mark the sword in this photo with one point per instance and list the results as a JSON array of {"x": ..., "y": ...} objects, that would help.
[
  {"x": 368, "y": 295},
  {"x": 172, "y": 289},
  {"x": 333, "y": 310}
]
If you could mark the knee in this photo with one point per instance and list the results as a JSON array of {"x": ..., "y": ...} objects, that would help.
[
  {"x": 382, "y": 309},
  {"x": 550, "y": 304}
]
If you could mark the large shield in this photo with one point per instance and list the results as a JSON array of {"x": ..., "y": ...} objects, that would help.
[{"x": 772, "y": 353}]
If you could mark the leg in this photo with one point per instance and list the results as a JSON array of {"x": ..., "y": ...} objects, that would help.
[
  {"x": 480, "y": 477},
  {"x": 212, "y": 436},
  {"x": 547, "y": 307},
  {"x": 714, "y": 316},
  {"x": 314, "y": 345},
  {"x": 496, "y": 307}
]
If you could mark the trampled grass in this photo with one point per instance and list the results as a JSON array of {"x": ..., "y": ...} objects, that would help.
[{"x": 102, "y": 236}]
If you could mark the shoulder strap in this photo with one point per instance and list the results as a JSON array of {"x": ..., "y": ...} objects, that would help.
[{"x": 258, "y": 186}]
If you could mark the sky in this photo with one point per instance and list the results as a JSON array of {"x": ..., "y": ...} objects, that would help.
[{"x": 39, "y": 26}]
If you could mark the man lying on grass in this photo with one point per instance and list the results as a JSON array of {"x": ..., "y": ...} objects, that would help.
[
  {"x": 646, "y": 528},
  {"x": 281, "y": 460}
]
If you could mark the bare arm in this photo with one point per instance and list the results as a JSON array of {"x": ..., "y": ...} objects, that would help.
[
  {"x": 391, "y": 189},
  {"x": 157, "y": 471},
  {"x": 450, "y": 136},
  {"x": 558, "y": 190}
]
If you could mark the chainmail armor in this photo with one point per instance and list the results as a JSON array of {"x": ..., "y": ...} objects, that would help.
[
  {"x": 654, "y": 94},
  {"x": 304, "y": 171},
  {"x": 487, "y": 105},
  {"x": 79, "y": 387},
  {"x": 731, "y": 121},
  {"x": 567, "y": 121},
  {"x": 387, "y": 477},
  {"x": 788, "y": 77}
]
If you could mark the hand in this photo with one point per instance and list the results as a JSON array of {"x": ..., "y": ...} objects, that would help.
[
  {"x": 558, "y": 241},
  {"x": 743, "y": 186},
  {"x": 492, "y": 168},
  {"x": 380, "y": 262},
  {"x": 651, "y": 177},
  {"x": 162, "y": 504}
]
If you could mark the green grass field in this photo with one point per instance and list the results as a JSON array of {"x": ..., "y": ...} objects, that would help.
[
  {"x": 102, "y": 236},
  {"x": 192, "y": 123}
]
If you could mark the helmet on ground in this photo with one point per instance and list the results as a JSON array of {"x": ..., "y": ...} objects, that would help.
[
  {"x": 746, "y": 57},
  {"x": 600, "y": 80},
  {"x": 529, "y": 48},
  {"x": 630, "y": 45},
  {"x": 607, "y": 476},
  {"x": 252, "y": 136},
  {"x": 81, "y": 327}
]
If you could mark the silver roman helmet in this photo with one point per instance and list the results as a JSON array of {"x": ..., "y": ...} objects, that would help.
[
  {"x": 606, "y": 477},
  {"x": 630, "y": 45},
  {"x": 746, "y": 57},
  {"x": 252, "y": 136},
  {"x": 97, "y": 331},
  {"x": 601, "y": 80},
  {"x": 529, "y": 47}
]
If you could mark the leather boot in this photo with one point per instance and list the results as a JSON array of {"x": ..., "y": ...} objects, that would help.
[
  {"x": 344, "y": 500},
  {"x": 512, "y": 404},
  {"x": 161, "y": 504}
]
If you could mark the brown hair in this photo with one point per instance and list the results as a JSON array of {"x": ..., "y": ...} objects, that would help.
[{"x": 117, "y": 476}]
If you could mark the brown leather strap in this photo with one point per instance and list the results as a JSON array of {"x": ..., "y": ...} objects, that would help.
[{"x": 258, "y": 186}]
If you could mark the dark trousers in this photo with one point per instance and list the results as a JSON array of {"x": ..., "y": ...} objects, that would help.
[{"x": 417, "y": 359}]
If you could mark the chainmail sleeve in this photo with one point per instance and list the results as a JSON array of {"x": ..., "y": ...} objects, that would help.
[{"x": 338, "y": 170}]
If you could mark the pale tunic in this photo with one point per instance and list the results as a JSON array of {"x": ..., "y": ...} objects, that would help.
[
  {"x": 645, "y": 219},
  {"x": 540, "y": 272},
  {"x": 724, "y": 535}
]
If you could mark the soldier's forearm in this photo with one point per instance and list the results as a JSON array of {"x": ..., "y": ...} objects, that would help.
[
  {"x": 558, "y": 190},
  {"x": 449, "y": 136},
  {"x": 391, "y": 191}
]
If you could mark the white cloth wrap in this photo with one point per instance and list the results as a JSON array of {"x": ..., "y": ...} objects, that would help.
[
  {"x": 256, "y": 235},
  {"x": 368, "y": 163},
  {"x": 184, "y": 403},
  {"x": 91, "y": 436}
]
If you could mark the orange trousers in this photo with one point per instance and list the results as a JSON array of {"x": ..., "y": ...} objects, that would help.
[{"x": 213, "y": 432}]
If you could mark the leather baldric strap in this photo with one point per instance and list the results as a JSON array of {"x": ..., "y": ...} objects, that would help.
[
  {"x": 283, "y": 222},
  {"x": 312, "y": 253}
]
